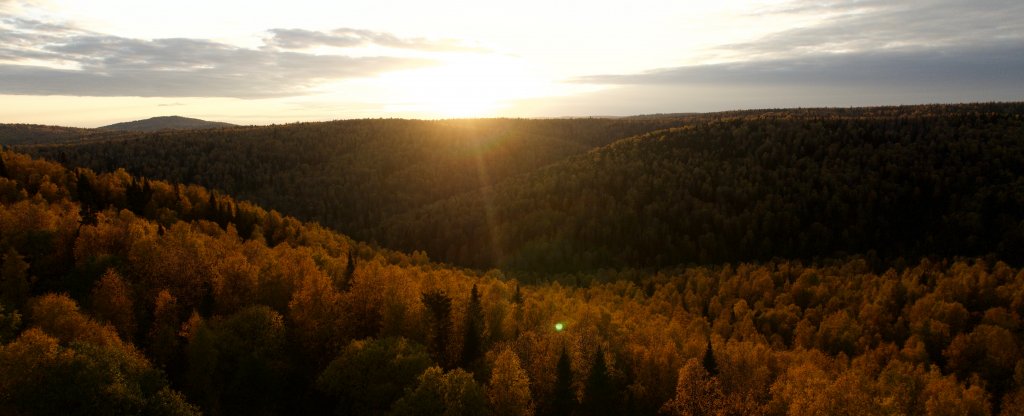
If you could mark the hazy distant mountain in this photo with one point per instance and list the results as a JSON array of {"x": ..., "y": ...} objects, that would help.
[
  {"x": 167, "y": 123},
  {"x": 22, "y": 134}
]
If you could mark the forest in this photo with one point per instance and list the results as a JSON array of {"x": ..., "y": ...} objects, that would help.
[
  {"x": 350, "y": 175},
  {"x": 858, "y": 261},
  {"x": 563, "y": 196}
]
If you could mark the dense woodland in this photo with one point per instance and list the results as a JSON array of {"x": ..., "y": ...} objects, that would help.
[
  {"x": 32, "y": 134},
  {"x": 904, "y": 182},
  {"x": 352, "y": 175},
  {"x": 123, "y": 295},
  {"x": 566, "y": 195}
]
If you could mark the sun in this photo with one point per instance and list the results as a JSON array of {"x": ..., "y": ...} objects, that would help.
[{"x": 467, "y": 86}]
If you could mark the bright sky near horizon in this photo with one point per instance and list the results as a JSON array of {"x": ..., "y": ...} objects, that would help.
[{"x": 69, "y": 62}]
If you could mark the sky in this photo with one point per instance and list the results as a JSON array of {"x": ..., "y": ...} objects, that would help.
[{"x": 97, "y": 62}]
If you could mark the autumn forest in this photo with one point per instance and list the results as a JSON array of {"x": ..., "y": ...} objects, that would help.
[{"x": 857, "y": 261}]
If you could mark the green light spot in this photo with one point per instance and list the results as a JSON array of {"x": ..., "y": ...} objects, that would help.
[{"x": 559, "y": 327}]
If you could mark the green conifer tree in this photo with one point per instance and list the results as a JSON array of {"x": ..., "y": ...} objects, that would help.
[
  {"x": 472, "y": 346},
  {"x": 563, "y": 401}
]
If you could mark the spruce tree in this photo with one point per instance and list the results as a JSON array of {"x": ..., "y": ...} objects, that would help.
[
  {"x": 599, "y": 396},
  {"x": 350, "y": 271},
  {"x": 439, "y": 323},
  {"x": 472, "y": 346},
  {"x": 710, "y": 365},
  {"x": 563, "y": 402},
  {"x": 517, "y": 298}
]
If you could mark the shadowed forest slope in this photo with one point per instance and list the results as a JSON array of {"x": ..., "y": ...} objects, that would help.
[
  {"x": 353, "y": 175},
  {"x": 915, "y": 181},
  {"x": 560, "y": 196},
  {"x": 22, "y": 134}
]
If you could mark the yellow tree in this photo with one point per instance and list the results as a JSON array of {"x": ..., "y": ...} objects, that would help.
[
  {"x": 697, "y": 393},
  {"x": 112, "y": 301},
  {"x": 162, "y": 338},
  {"x": 316, "y": 313},
  {"x": 508, "y": 391}
]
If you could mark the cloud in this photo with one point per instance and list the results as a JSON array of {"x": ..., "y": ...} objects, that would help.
[
  {"x": 858, "y": 53},
  {"x": 853, "y": 26},
  {"x": 979, "y": 66},
  {"x": 347, "y": 37},
  {"x": 42, "y": 58}
]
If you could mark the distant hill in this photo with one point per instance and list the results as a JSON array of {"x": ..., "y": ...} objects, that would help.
[
  {"x": 166, "y": 123},
  {"x": 22, "y": 134}
]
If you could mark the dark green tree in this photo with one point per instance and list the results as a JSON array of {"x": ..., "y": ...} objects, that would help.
[
  {"x": 439, "y": 323},
  {"x": 42, "y": 376},
  {"x": 599, "y": 396},
  {"x": 563, "y": 400},
  {"x": 138, "y": 193},
  {"x": 350, "y": 272},
  {"x": 14, "y": 280},
  {"x": 88, "y": 199},
  {"x": 710, "y": 365},
  {"x": 10, "y": 322},
  {"x": 440, "y": 393},
  {"x": 472, "y": 346},
  {"x": 369, "y": 375}
]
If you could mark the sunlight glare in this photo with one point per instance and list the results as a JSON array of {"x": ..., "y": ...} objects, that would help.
[{"x": 464, "y": 86}]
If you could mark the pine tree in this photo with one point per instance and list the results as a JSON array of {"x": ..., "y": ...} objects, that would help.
[
  {"x": 439, "y": 322},
  {"x": 563, "y": 401},
  {"x": 350, "y": 272},
  {"x": 517, "y": 298},
  {"x": 599, "y": 396},
  {"x": 710, "y": 365},
  {"x": 138, "y": 194},
  {"x": 472, "y": 347},
  {"x": 87, "y": 198},
  {"x": 3, "y": 168}
]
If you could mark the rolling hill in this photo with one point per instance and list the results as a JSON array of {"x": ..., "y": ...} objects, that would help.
[
  {"x": 353, "y": 175},
  {"x": 571, "y": 195},
  {"x": 913, "y": 181},
  {"x": 166, "y": 123},
  {"x": 24, "y": 134}
]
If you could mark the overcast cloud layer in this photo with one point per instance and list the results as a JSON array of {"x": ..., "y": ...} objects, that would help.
[
  {"x": 920, "y": 49},
  {"x": 49, "y": 59}
]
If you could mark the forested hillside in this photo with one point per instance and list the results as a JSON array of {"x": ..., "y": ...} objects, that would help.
[
  {"x": 166, "y": 123},
  {"x": 122, "y": 295},
  {"x": 889, "y": 182},
  {"x": 353, "y": 175},
  {"x": 560, "y": 196},
  {"x": 18, "y": 134}
]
